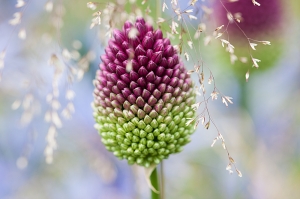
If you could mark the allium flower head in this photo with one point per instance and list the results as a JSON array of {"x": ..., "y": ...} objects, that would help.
[{"x": 143, "y": 96}]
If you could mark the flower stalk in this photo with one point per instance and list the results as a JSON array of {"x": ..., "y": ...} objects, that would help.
[{"x": 155, "y": 183}]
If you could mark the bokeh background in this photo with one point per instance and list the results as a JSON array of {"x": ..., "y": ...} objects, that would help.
[{"x": 261, "y": 128}]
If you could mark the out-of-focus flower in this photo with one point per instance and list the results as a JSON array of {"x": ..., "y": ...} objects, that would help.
[
  {"x": 143, "y": 96},
  {"x": 256, "y": 21},
  {"x": 251, "y": 30}
]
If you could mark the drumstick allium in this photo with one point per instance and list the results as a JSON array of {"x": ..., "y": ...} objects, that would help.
[{"x": 143, "y": 96}]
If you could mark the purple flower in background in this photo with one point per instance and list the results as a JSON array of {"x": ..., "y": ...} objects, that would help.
[
  {"x": 254, "y": 20},
  {"x": 252, "y": 27},
  {"x": 143, "y": 96}
]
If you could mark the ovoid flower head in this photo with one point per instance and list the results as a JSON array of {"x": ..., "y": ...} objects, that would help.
[{"x": 143, "y": 96}]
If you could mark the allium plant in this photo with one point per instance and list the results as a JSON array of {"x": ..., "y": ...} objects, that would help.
[
  {"x": 144, "y": 99},
  {"x": 143, "y": 96}
]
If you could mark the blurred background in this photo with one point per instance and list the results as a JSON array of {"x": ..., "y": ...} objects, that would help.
[{"x": 51, "y": 55}]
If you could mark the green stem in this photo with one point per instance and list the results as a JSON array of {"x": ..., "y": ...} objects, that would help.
[
  {"x": 158, "y": 8},
  {"x": 162, "y": 183},
  {"x": 154, "y": 182}
]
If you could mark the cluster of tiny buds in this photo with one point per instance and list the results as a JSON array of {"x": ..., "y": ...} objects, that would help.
[
  {"x": 129, "y": 73},
  {"x": 143, "y": 96}
]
